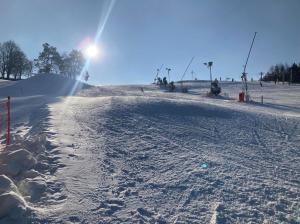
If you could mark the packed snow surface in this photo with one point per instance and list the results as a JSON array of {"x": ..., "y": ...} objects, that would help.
[
  {"x": 117, "y": 154},
  {"x": 50, "y": 85}
]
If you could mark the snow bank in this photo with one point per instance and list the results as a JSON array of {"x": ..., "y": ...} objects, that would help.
[
  {"x": 15, "y": 162},
  {"x": 7, "y": 185},
  {"x": 20, "y": 177},
  {"x": 33, "y": 187},
  {"x": 12, "y": 205},
  {"x": 43, "y": 84}
]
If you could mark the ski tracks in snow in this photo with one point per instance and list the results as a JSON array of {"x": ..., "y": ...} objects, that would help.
[{"x": 138, "y": 160}]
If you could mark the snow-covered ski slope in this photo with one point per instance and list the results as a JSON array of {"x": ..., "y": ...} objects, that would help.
[{"x": 127, "y": 156}]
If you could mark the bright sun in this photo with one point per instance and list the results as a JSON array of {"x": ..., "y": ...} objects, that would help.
[{"x": 92, "y": 51}]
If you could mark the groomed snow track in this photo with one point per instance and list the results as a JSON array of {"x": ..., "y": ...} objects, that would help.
[
  {"x": 116, "y": 154},
  {"x": 138, "y": 160}
]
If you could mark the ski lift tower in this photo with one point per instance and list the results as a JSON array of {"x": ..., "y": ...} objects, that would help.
[
  {"x": 168, "y": 70},
  {"x": 209, "y": 65},
  {"x": 184, "y": 89},
  {"x": 192, "y": 72},
  {"x": 157, "y": 72},
  {"x": 244, "y": 74}
]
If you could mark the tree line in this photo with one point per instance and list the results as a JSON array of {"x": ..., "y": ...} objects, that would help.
[
  {"x": 13, "y": 61},
  {"x": 14, "y": 64},
  {"x": 283, "y": 73}
]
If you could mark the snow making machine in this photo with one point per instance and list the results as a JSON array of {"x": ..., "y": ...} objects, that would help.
[{"x": 215, "y": 88}]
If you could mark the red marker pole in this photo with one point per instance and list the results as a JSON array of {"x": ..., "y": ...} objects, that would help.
[{"x": 8, "y": 121}]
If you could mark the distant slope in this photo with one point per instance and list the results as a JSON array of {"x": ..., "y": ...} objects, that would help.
[{"x": 43, "y": 84}]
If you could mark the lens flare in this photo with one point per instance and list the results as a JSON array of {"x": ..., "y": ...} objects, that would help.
[{"x": 92, "y": 51}]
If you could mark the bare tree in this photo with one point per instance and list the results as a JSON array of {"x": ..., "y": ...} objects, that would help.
[
  {"x": 2, "y": 61},
  {"x": 20, "y": 61},
  {"x": 12, "y": 60}
]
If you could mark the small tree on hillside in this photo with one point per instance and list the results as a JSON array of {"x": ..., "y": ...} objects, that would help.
[
  {"x": 76, "y": 62},
  {"x": 64, "y": 65},
  {"x": 72, "y": 64},
  {"x": 49, "y": 60}
]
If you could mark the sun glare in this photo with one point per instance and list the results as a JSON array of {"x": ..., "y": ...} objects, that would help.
[{"x": 92, "y": 51}]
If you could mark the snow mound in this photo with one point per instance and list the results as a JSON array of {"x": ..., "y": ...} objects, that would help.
[
  {"x": 44, "y": 84},
  {"x": 17, "y": 161},
  {"x": 30, "y": 174},
  {"x": 12, "y": 205},
  {"x": 21, "y": 180},
  {"x": 7, "y": 185},
  {"x": 33, "y": 187}
]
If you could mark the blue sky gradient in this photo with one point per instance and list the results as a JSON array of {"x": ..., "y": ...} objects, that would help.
[{"x": 140, "y": 35}]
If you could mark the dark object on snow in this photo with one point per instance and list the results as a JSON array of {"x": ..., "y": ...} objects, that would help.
[
  {"x": 171, "y": 86},
  {"x": 159, "y": 81},
  {"x": 215, "y": 89},
  {"x": 241, "y": 97},
  {"x": 86, "y": 77},
  {"x": 184, "y": 89},
  {"x": 165, "y": 82}
]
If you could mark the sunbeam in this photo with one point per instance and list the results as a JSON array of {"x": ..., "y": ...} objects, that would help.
[{"x": 102, "y": 23}]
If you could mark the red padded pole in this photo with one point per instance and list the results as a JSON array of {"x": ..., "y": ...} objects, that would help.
[{"x": 8, "y": 121}]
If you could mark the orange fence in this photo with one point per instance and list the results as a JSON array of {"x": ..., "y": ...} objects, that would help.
[{"x": 5, "y": 118}]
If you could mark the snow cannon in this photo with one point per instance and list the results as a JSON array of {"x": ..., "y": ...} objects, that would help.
[
  {"x": 241, "y": 97},
  {"x": 215, "y": 89}
]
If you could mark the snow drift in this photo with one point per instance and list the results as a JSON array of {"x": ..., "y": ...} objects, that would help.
[
  {"x": 43, "y": 84},
  {"x": 12, "y": 204},
  {"x": 23, "y": 169}
]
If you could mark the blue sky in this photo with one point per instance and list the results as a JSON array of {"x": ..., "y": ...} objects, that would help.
[{"x": 140, "y": 35}]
